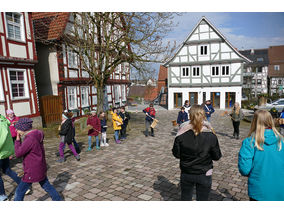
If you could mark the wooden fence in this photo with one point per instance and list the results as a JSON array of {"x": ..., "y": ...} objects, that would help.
[{"x": 51, "y": 109}]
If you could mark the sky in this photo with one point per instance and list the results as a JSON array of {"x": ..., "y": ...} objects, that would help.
[{"x": 250, "y": 30}]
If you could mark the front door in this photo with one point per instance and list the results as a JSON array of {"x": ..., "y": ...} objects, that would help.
[
  {"x": 177, "y": 100},
  {"x": 192, "y": 98},
  {"x": 215, "y": 99},
  {"x": 230, "y": 99}
]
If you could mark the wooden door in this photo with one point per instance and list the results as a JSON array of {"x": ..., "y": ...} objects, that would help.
[
  {"x": 177, "y": 100},
  {"x": 192, "y": 97},
  {"x": 51, "y": 109}
]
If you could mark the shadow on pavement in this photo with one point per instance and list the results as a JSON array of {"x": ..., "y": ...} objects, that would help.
[
  {"x": 60, "y": 182},
  {"x": 225, "y": 134},
  {"x": 168, "y": 190}
]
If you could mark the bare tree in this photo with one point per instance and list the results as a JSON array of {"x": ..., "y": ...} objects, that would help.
[{"x": 103, "y": 41}]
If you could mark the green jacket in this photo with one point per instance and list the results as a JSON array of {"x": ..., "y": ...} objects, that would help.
[
  {"x": 237, "y": 117},
  {"x": 6, "y": 142}
]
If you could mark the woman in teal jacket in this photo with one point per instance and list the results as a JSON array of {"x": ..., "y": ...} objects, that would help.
[{"x": 261, "y": 158}]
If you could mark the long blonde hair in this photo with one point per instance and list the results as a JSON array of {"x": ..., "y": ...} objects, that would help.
[
  {"x": 236, "y": 109},
  {"x": 197, "y": 116},
  {"x": 262, "y": 119}
]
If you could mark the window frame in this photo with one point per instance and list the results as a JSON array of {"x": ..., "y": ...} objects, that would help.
[
  {"x": 117, "y": 93},
  {"x": 258, "y": 80},
  {"x": 75, "y": 99},
  {"x": 73, "y": 55},
  {"x": 215, "y": 70},
  {"x": 186, "y": 72},
  {"x": 198, "y": 69},
  {"x": 21, "y": 25},
  {"x": 25, "y": 82},
  {"x": 202, "y": 50},
  {"x": 221, "y": 70},
  {"x": 87, "y": 96},
  {"x": 278, "y": 69}
]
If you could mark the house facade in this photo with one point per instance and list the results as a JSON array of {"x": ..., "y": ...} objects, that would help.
[
  {"x": 60, "y": 72},
  {"x": 255, "y": 76},
  {"x": 276, "y": 69},
  {"x": 18, "y": 57},
  {"x": 205, "y": 67}
]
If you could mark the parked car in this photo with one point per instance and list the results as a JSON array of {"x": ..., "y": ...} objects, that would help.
[{"x": 278, "y": 105}]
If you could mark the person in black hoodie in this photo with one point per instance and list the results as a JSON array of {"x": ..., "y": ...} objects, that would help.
[
  {"x": 196, "y": 145},
  {"x": 66, "y": 136},
  {"x": 125, "y": 118}
]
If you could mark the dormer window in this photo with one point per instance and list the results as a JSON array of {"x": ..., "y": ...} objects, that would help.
[{"x": 203, "y": 49}]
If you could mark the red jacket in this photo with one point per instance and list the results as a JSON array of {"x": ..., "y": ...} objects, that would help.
[{"x": 95, "y": 122}]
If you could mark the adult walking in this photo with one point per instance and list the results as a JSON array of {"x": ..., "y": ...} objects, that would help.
[
  {"x": 196, "y": 146},
  {"x": 261, "y": 159},
  {"x": 208, "y": 108},
  {"x": 236, "y": 115},
  {"x": 150, "y": 116},
  {"x": 6, "y": 150},
  {"x": 29, "y": 145}
]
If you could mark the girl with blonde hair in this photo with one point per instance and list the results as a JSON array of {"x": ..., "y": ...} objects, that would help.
[
  {"x": 196, "y": 146},
  {"x": 261, "y": 158},
  {"x": 236, "y": 115}
]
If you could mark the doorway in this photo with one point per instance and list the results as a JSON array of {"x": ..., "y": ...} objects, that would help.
[
  {"x": 215, "y": 99},
  {"x": 192, "y": 97},
  {"x": 177, "y": 100},
  {"x": 230, "y": 99}
]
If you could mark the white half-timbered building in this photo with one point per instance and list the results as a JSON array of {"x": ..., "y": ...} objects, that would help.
[
  {"x": 17, "y": 60},
  {"x": 205, "y": 67},
  {"x": 60, "y": 73}
]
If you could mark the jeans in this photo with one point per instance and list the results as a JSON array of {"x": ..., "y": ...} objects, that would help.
[
  {"x": 203, "y": 186},
  {"x": 90, "y": 141},
  {"x": 5, "y": 167},
  {"x": 236, "y": 125},
  {"x": 208, "y": 119},
  {"x": 116, "y": 135},
  {"x": 24, "y": 186},
  {"x": 148, "y": 124},
  {"x": 123, "y": 132}
]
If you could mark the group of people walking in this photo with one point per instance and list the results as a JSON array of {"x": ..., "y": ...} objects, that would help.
[{"x": 261, "y": 156}]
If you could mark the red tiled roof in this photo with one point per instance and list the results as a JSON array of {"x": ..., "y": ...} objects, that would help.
[
  {"x": 49, "y": 25},
  {"x": 151, "y": 93}
]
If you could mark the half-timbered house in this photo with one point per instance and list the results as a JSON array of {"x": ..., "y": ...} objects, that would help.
[
  {"x": 60, "y": 72},
  {"x": 206, "y": 66},
  {"x": 18, "y": 57}
]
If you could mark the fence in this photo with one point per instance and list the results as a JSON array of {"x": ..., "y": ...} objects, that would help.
[{"x": 51, "y": 109}]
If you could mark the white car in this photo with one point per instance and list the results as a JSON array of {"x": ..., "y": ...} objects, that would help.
[{"x": 278, "y": 105}]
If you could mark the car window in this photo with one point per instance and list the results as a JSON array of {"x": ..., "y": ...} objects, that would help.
[{"x": 280, "y": 102}]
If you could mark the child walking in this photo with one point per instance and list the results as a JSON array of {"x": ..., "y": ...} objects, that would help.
[
  {"x": 125, "y": 118},
  {"x": 116, "y": 123},
  {"x": 182, "y": 116},
  {"x": 31, "y": 148},
  {"x": 94, "y": 122},
  {"x": 6, "y": 150},
  {"x": 236, "y": 115},
  {"x": 66, "y": 136},
  {"x": 103, "y": 129},
  {"x": 150, "y": 115},
  {"x": 13, "y": 120}
]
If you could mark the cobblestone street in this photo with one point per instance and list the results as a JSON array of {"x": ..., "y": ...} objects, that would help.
[{"x": 139, "y": 169}]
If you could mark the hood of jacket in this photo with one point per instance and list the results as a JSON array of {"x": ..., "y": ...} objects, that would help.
[
  {"x": 207, "y": 127},
  {"x": 270, "y": 138},
  {"x": 37, "y": 134}
]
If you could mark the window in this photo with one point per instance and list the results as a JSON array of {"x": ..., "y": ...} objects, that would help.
[
  {"x": 259, "y": 69},
  {"x": 72, "y": 59},
  {"x": 259, "y": 59},
  {"x": 279, "y": 82},
  {"x": 203, "y": 50},
  {"x": 15, "y": 26},
  {"x": 225, "y": 70},
  {"x": 259, "y": 81},
  {"x": 276, "y": 67},
  {"x": 72, "y": 97},
  {"x": 84, "y": 96},
  {"x": 185, "y": 71},
  {"x": 1, "y": 90},
  {"x": 252, "y": 81},
  {"x": 195, "y": 71},
  {"x": 123, "y": 96},
  {"x": 18, "y": 83},
  {"x": 215, "y": 70},
  {"x": 117, "y": 93}
]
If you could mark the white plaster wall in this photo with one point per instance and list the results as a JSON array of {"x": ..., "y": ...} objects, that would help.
[
  {"x": 54, "y": 73},
  {"x": 234, "y": 55},
  {"x": 235, "y": 67},
  {"x": 225, "y": 55},
  {"x": 1, "y": 89},
  {"x": 196, "y": 80},
  {"x": 225, "y": 48},
  {"x": 203, "y": 28},
  {"x": 22, "y": 108},
  {"x": 3, "y": 46},
  {"x": 192, "y": 49},
  {"x": 204, "y": 36},
  {"x": 176, "y": 59},
  {"x": 194, "y": 37},
  {"x": 28, "y": 28},
  {"x": 183, "y": 51},
  {"x": 185, "y": 80},
  {"x": 17, "y": 51},
  {"x": 1, "y": 25},
  {"x": 214, "y": 47},
  {"x": 183, "y": 58},
  {"x": 31, "y": 52},
  {"x": 208, "y": 90},
  {"x": 213, "y": 35},
  {"x": 206, "y": 70},
  {"x": 2, "y": 110},
  {"x": 204, "y": 58}
]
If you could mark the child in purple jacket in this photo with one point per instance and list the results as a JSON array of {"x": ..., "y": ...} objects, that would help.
[{"x": 29, "y": 145}]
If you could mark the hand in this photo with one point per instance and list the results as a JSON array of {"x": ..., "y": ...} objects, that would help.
[
  {"x": 208, "y": 112},
  {"x": 18, "y": 136},
  {"x": 147, "y": 113}
]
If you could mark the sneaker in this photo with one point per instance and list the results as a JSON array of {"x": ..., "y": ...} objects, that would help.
[
  {"x": 118, "y": 141},
  {"x": 77, "y": 157},
  {"x": 60, "y": 160},
  {"x": 97, "y": 148},
  {"x": 152, "y": 135},
  {"x": 102, "y": 144},
  {"x": 28, "y": 191},
  {"x": 89, "y": 149},
  {"x": 3, "y": 197},
  {"x": 237, "y": 137},
  {"x": 78, "y": 151},
  {"x": 106, "y": 144}
]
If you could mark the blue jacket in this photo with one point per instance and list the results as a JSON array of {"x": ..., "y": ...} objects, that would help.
[
  {"x": 182, "y": 117},
  {"x": 265, "y": 169},
  {"x": 103, "y": 125},
  {"x": 210, "y": 110},
  {"x": 282, "y": 116}
]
